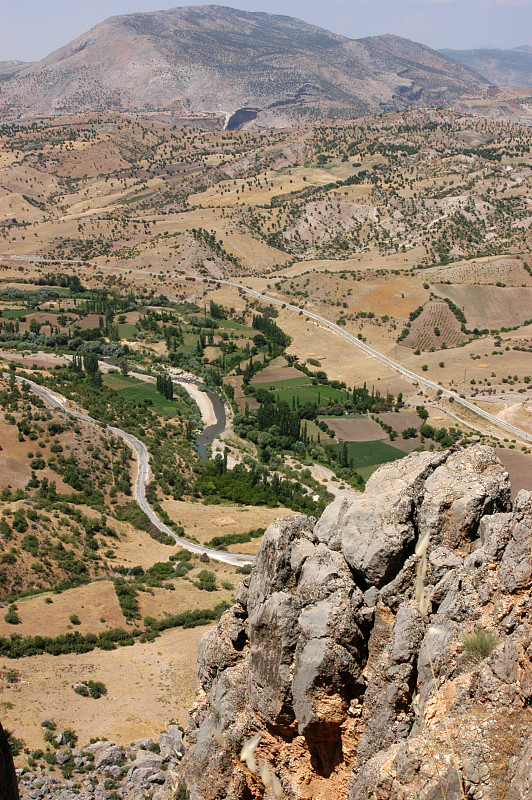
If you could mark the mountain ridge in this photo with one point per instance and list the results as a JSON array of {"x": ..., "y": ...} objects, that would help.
[{"x": 217, "y": 60}]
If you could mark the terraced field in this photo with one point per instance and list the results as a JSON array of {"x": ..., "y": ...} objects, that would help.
[{"x": 435, "y": 327}]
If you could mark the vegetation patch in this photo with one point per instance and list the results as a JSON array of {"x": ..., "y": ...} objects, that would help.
[{"x": 436, "y": 327}]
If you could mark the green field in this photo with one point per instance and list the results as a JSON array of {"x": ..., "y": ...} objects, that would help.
[
  {"x": 235, "y": 326},
  {"x": 138, "y": 391},
  {"x": 15, "y": 313},
  {"x": 315, "y": 395},
  {"x": 275, "y": 386},
  {"x": 127, "y": 330},
  {"x": 370, "y": 454}
]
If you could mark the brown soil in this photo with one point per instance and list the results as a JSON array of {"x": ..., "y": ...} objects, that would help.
[
  {"x": 357, "y": 429},
  {"x": 491, "y": 307},
  {"x": 276, "y": 374},
  {"x": 519, "y": 468},
  {"x": 148, "y": 685},
  {"x": 403, "y": 419}
]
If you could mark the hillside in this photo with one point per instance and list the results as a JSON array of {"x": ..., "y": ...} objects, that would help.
[
  {"x": 213, "y": 60},
  {"x": 501, "y": 67}
]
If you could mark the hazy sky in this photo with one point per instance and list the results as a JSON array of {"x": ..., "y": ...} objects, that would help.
[{"x": 30, "y": 29}]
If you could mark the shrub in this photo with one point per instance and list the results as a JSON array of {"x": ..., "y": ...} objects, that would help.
[
  {"x": 71, "y": 737},
  {"x": 206, "y": 581},
  {"x": 15, "y": 744},
  {"x": 74, "y": 619},
  {"x": 12, "y": 618},
  {"x": 94, "y": 689},
  {"x": 478, "y": 645}
]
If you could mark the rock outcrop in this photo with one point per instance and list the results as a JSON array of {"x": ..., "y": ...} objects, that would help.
[{"x": 354, "y": 693}]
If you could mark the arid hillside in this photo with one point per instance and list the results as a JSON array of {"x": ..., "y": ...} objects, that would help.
[{"x": 232, "y": 66}]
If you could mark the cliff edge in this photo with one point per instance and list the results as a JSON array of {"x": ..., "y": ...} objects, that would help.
[{"x": 354, "y": 693}]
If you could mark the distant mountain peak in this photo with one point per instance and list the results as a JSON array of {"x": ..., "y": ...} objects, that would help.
[{"x": 217, "y": 60}]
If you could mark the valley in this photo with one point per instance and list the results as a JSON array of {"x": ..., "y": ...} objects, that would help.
[{"x": 351, "y": 290}]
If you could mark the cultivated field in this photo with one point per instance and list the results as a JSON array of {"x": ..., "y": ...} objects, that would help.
[
  {"x": 436, "y": 327},
  {"x": 492, "y": 307}
]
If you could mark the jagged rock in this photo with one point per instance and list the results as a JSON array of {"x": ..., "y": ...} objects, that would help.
[
  {"x": 146, "y": 768},
  {"x": 327, "y": 655},
  {"x": 516, "y": 565},
  {"x": 171, "y": 743},
  {"x": 109, "y": 756},
  {"x": 520, "y": 773},
  {"x": 375, "y": 530},
  {"x": 62, "y": 756}
]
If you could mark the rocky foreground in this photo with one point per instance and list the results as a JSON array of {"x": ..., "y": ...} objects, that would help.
[
  {"x": 327, "y": 658},
  {"x": 355, "y": 694}
]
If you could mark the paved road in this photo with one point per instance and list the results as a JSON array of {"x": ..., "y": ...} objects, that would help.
[
  {"x": 142, "y": 479},
  {"x": 512, "y": 429},
  {"x": 385, "y": 360}
]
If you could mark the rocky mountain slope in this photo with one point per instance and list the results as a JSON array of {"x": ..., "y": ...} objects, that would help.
[
  {"x": 501, "y": 67},
  {"x": 220, "y": 61},
  {"x": 353, "y": 692}
]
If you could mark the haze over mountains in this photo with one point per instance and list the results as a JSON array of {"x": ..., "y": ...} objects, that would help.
[
  {"x": 217, "y": 60},
  {"x": 501, "y": 67}
]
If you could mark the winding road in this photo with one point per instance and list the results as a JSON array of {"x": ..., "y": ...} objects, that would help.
[
  {"x": 407, "y": 373},
  {"x": 143, "y": 472}
]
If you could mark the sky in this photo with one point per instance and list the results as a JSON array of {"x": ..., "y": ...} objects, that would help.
[{"x": 30, "y": 29}]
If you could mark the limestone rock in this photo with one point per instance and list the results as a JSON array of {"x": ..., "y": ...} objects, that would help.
[{"x": 325, "y": 652}]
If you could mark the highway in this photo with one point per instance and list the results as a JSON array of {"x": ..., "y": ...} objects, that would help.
[
  {"x": 143, "y": 472},
  {"x": 412, "y": 376}
]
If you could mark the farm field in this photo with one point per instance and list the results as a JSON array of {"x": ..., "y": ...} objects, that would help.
[
  {"x": 140, "y": 391},
  {"x": 309, "y": 394},
  {"x": 203, "y": 522},
  {"x": 401, "y": 420},
  {"x": 492, "y": 307},
  {"x": 283, "y": 383},
  {"x": 436, "y": 327},
  {"x": 489, "y": 270},
  {"x": 273, "y": 374},
  {"x": 355, "y": 429},
  {"x": 370, "y": 454}
]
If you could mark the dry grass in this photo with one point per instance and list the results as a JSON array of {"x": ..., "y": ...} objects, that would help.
[
  {"x": 148, "y": 685},
  {"x": 491, "y": 307},
  {"x": 92, "y": 604},
  {"x": 203, "y": 522}
]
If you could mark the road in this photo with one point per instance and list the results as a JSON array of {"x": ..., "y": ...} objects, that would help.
[
  {"x": 407, "y": 373},
  {"x": 143, "y": 473}
]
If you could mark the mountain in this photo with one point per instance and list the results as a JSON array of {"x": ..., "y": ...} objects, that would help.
[
  {"x": 217, "y": 60},
  {"x": 501, "y": 67},
  {"x": 381, "y": 652}
]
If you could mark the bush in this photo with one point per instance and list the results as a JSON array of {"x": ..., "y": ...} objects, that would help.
[
  {"x": 94, "y": 689},
  {"x": 12, "y": 618},
  {"x": 15, "y": 744},
  {"x": 478, "y": 645},
  {"x": 206, "y": 580}
]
